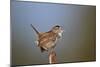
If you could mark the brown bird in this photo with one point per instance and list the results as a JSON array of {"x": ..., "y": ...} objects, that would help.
[{"x": 47, "y": 40}]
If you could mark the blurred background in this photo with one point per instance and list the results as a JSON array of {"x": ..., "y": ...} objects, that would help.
[{"x": 77, "y": 44}]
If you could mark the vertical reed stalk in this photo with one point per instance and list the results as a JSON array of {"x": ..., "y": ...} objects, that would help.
[{"x": 52, "y": 57}]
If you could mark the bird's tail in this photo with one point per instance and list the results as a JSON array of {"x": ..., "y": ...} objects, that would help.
[{"x": 35, "y": 29}]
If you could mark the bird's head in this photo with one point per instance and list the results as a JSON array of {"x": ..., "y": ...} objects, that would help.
[{"x": 57, "y": 29}]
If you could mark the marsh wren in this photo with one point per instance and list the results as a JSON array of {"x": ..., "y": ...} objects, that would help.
[{"x": 47, "y": 40}]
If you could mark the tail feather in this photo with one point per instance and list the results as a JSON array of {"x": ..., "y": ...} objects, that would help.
[{"x": 34, "y": 29}]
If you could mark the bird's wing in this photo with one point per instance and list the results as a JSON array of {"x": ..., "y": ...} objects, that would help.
[{"x": 46, "y": 38}]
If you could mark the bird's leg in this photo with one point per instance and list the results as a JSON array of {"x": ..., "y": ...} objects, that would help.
[{"x": 53, "y": 47}]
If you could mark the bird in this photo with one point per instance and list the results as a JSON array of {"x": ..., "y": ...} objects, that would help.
[{"x": 47, "y": 40}]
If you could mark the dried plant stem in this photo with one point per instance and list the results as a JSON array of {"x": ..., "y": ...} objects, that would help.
[{"x": 52, "y": 57}]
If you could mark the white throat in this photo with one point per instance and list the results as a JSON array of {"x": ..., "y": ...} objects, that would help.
[{"x": 60, "y": 34}]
